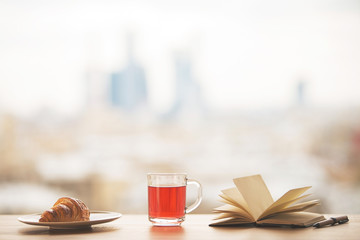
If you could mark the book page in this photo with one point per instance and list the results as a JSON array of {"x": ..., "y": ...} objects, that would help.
[
  {"x": 230, "y": 221},
  {"x": 223, "y": 216},
  {"x": 235, "y": 211},
  {"x": 233, "y": 195},
  {"x": 255, "y": 194},
  {"x": 299, "y": 207},
  {"x": 227, "y": 200},
  {"x": 301, "y": 219},
  {"x": 287, "y": 199},
  {"x": 280, "y": 207},
  {"x": 231, "y": 215}
]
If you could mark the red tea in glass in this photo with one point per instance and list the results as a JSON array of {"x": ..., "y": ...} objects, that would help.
[
  {"x": 167, "y": 202},
  {"x": 167, "y": 198}
]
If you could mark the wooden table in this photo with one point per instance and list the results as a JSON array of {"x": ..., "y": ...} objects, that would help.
[{"x": 195, "y": 227}]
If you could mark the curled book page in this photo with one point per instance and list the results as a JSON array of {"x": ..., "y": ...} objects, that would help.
[{"x": 255, "y": 193}]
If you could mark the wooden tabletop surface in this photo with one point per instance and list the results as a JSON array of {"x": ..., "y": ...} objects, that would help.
[{"x": 194, "y": 227}]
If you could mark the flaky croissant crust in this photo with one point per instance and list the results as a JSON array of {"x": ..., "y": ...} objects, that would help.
[{"x": 66, "y": 209}]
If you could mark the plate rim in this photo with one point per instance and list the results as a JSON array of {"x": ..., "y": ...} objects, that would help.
[{"x": 117, "y": 215}]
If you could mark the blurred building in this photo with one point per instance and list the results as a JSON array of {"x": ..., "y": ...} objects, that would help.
[
  {"x": 188, "y": 100},
  {"x": 125, "y": 89},
  {"x": 128, "y": 88},
  {"x": 300, "y": 93}
]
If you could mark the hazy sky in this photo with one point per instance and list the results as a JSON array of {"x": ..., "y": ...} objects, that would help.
[{"x": 246, "y": 54}]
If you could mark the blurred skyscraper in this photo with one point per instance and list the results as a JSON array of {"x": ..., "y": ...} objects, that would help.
[
  {"x": 300, "y": 93},
  {"x": 128, "y": 88},
  {"x": 187, "y": 93}
]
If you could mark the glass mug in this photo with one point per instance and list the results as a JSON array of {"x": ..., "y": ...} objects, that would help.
[{"x": 167, "y": 198}]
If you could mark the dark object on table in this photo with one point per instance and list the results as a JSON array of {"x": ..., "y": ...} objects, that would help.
[{"x": 332, "y": 221}]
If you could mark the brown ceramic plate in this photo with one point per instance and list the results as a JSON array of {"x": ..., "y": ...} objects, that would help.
[{"x": 96, "y": 217}]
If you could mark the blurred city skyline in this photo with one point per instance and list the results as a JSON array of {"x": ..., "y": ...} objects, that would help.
[
  {"x": 95, "y": 94},
  {"x": 244, "y": 55}
]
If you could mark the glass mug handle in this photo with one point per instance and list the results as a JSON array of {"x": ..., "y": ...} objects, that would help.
[{"x": 199, "y": 197}]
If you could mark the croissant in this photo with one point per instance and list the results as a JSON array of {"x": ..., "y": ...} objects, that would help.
[{"x": 66, "y": 209}]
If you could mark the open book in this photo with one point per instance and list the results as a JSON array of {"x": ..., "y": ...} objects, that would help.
[{"x": 250, "y": 202}]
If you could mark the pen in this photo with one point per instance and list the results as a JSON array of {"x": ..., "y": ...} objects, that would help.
[{"x": 332, "y": 221}]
